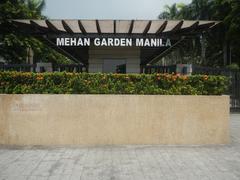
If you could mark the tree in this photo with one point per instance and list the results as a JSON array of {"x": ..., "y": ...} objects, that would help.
[
  {"x": 227, "y": 11},
  {"x": 14, "y": 46},
  {"x": 36, "y": 6},
  {"x": 170, "y": 12}
]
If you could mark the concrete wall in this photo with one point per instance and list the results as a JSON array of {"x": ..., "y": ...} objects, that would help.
[
  {"x": 113, "y": 119},
  {"x": 130, "y": 54}
]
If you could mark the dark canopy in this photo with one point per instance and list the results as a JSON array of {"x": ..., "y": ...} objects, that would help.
[{"x": 48, "y": 30}]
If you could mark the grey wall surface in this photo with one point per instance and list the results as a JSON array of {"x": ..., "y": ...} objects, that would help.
[{"x": 131, "y": 55}]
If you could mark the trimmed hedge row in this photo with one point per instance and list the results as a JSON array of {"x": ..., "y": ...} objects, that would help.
[{"x": 86, "y": 83}]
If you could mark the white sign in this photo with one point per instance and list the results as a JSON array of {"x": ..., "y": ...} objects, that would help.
[{"x": 113, "y": 42}]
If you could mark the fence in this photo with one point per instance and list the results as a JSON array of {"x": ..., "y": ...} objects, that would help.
[
  {"x": 158, "y": 69},
  {"x": 33, "y": 68},
  {"x": 70, "y": 68},
  {"x": 18, "y": 67}
]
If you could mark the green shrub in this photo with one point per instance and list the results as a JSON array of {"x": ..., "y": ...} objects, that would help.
[
  {"x": 86, "y": 83},
  {"x": 233, "y": 66}
]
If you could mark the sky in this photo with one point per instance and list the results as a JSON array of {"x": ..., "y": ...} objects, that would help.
[{"x": 106, "y": 9}]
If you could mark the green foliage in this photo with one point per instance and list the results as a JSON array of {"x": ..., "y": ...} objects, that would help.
[
  {"x": 84, "y": 83},
  {"x": 17, "y": 9},
  {"x": 227, "y": 11},
  {"x": 170, "y": 12},
  {"x": 233, "y": 66},
  {"x": 13, "y": 45}
]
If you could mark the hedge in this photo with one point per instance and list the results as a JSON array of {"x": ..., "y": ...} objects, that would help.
[{"x": 87, "y": 83}]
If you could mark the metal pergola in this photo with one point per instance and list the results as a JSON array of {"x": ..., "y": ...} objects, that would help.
[{"x": 48, "y": 30}]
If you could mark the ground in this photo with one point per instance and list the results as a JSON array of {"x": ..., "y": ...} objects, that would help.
[{"x": 220, "y": 162}]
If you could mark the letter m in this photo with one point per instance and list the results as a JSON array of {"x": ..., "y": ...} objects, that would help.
[{"x": 60, "y": 42}]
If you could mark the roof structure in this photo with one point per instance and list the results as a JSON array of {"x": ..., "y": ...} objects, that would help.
[
  {"x": 140, "y": 27},
  {"x": 48, "y": 30}
]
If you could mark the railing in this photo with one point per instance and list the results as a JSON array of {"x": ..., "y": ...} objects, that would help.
[
  {"x": 18, "y": 67},
  {"x": 32, "y": 68},
  {"x": 235, "y": 91},
  {"x": 79, "y": 68},
  {"x": 158, "y": 69},
  {"x": 210, "y": 70}
]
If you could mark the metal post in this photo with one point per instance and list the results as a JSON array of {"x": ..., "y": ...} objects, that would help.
[
  {"x": 203, "y": 48},
  {"x": 226, "y": 53}
]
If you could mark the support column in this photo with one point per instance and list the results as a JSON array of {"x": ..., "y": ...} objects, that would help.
[
  {"x": 203, "y": 48},
  {"x": 30, "y": 55},
  {"x": 29, "y": 58},
  {"x": 226, "y": 53}
]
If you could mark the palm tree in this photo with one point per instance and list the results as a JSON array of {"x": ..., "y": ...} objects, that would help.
[
  {"x": 170, "y": 12},
  {"x": 201, "y": 9},
  {"x": 35, "y": 6}
]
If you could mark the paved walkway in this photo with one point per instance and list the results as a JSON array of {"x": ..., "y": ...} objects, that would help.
[{"x": 125, "y": 162}]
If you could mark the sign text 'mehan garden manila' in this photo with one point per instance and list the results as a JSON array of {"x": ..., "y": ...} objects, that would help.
[{"x": 140, "y": 42}]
